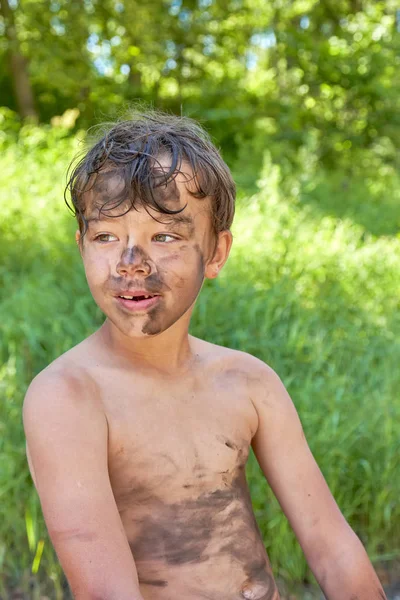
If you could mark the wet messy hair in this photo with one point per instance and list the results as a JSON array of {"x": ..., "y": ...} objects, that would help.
[{"x": 131, "y": 150}]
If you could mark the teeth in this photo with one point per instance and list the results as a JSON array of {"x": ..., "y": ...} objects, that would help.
[{"x": 132, "y": 297}]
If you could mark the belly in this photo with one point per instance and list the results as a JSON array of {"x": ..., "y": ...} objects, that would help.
[{"x": 202, "y": 546}]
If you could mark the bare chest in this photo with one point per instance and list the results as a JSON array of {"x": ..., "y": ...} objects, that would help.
[
  {"x": 175, "y": 440},
  {"x": 176, "y": 459}
]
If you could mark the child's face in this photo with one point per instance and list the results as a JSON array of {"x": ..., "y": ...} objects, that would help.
[{"x": 135, "y": 254}]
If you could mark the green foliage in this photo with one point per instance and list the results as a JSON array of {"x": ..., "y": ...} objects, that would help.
[
  {"x": 311, "y": 288},
  {"x": 313, "y": 71}
]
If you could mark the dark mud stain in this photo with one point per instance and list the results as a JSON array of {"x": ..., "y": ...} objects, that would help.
[
  {"x": 136, "y": 254},
  {"x": 166, "y": 193},
  {"x": 153, "y": 284},
  {"x": 241, "y": 454},
  {"x": 134, "y": 494},
  {"x": 182, "y": 533},
  {"x": 157, "y": 319},
  {"x": 231, "y": 445},
  {"x": 153, "y": 326},
  {"x": 201, "y": 263},
  {"x": 155, "y": 582},
  {"x": 110, "y": 193},
  {"x": 199, "y": 471},
  {"x": 179, "y": 533}
]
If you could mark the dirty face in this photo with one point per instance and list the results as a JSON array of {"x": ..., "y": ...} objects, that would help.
[{"x": 145, "y": 269}]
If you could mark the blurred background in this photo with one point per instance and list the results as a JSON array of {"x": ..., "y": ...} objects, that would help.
[{"x": 303, "y": 99}]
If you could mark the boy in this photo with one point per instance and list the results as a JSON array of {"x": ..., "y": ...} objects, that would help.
[{"x": 137, "y": 438}]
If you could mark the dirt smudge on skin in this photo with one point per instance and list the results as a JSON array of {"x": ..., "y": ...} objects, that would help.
[
  {"x": 154, "y": 582},
  {"x": 201, "y": 262},
  {"x": 136, "y": 254},
  {"x": 166, "y": 193},
  {"x": 74, "y": 534},
  {"x": 157, "y": 317},
  {"x": 153, "y": 284},
  {"x": 153, "y": 325},
  {"x": 230, "y": 445},
  {"x": 215, "y": 524}
]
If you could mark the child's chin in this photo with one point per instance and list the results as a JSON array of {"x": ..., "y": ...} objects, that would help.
[{"x": 139, "y": 331}]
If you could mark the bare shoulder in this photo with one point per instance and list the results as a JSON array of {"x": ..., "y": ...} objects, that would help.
[
  {"x": 67, "y": 377},
  {"x": 60, "y": 395},
  {"x": 248, "y": 374},
  {"x": 239, "y": 364}
]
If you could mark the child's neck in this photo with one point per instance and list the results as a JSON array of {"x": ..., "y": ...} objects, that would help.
[{"x": 167, "y": 353}]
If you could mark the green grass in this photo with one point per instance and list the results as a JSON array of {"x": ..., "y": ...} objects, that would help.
[
  {"x": 317, "y": 299},
  {"x": 311, "y": 288}
]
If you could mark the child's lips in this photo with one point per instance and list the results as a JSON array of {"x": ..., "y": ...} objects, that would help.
[
  {"x": 138, "y": 302},
  {"x": 135, "y": 293}
]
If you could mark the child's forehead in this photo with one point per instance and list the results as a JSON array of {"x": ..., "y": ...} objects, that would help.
[
  {"x": 110, "y": 194},
  {"x": 143, "y": 216}
]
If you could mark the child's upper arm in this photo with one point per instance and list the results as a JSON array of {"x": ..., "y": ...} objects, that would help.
[
  {"x": 291, "y": 470},
  {"x": 67, "y": 434}
]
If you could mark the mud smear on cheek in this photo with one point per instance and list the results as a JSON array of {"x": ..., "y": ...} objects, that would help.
[
  {"x": 157, "y": 317},
  {"x": 199, "y": 269},
  {"x": 201, "y": 263}
]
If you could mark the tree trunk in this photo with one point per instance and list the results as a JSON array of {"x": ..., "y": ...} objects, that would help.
[{"x": 18, "y": 65}]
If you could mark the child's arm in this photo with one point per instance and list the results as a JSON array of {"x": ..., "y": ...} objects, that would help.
[
  {"x": 333, "y": 551},
  {"x": 66, "y": 433}
]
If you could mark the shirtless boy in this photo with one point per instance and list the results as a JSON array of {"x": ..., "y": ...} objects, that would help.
[{"x": 137, "y": 438}]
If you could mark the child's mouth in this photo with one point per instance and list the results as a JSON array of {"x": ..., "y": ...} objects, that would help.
[{"x": 138, "y": 302}]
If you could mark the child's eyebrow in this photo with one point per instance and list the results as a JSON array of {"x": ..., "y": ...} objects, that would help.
[
  {"x": 176, "y": 221},
  {"x": 181, "y": 220}
]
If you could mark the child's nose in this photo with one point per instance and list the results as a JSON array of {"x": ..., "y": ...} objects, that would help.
[{"x": 134, "y": 260}]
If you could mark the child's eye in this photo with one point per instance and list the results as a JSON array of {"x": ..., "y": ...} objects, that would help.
[
  {"x": 162, "y": 237},
  {"x": 105, "y": 237}
]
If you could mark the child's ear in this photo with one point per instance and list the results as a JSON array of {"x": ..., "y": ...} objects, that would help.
[{"x": 223, "y": 247}]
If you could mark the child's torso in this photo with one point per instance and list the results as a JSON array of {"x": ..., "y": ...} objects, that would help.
[{"x": 177, "y": 455}]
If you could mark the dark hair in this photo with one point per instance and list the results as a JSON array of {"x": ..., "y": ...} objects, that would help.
[{"x": 131, "y": 149}]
